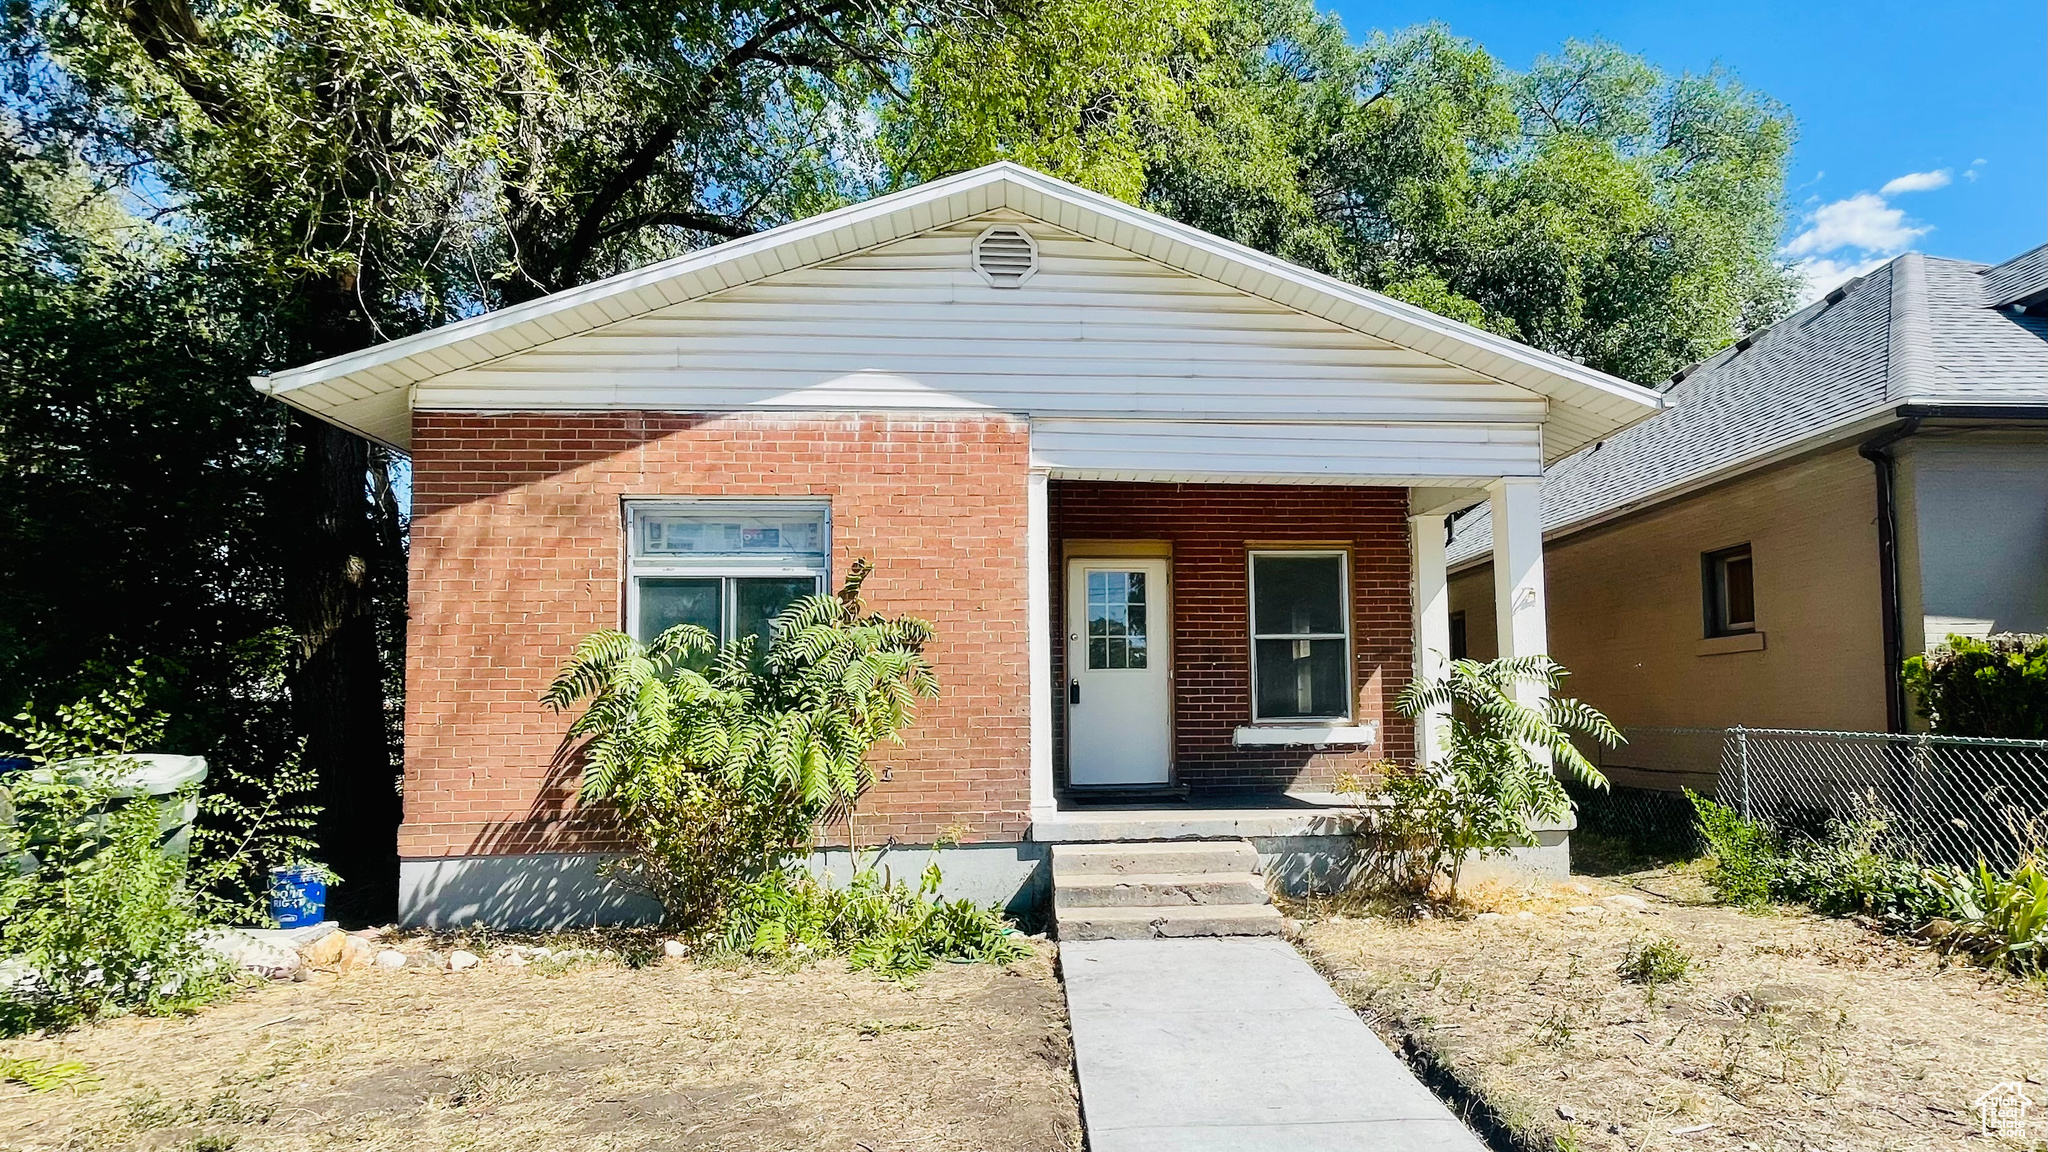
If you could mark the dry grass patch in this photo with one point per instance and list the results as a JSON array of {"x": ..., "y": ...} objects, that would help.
[
  {"x": 580, "y": 1056},
  {"x": 1687, "y": 1026}
]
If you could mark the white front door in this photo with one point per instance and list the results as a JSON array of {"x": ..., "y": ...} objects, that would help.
[{"x": 1119, "y": 728}]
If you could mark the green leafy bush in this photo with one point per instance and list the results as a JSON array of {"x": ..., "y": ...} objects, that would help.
[
  {"x": 2003, "y": 919},
  {"x": 1841, "y": 868},
  {"x": 720, "y": 760},
  {"x": 99, "y": 921},
  {"x": 1743, "y": 855},
  {"x": 1997, "y": 686},
  {"x": 878, "y": 924},
  {"x": 1493, "y": 780},
  {"x": 95, "y": 917},
  {"x": 1654, "y": 960}
]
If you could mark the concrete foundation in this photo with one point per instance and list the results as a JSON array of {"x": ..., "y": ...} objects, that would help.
[
  {"x": 544, "y": 890},
  {"x": 1305, "y": 850},
  {"x": 565, "y": 890}
]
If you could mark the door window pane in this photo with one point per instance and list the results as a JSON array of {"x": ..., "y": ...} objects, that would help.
[
  {"x": 1117, "y": 623},
  {"x": 1301, "y": 679},
  {"x": 757, "y": 601},
  {"x": 1298, "y": 595},
  {"x": 668, "y": 601}
]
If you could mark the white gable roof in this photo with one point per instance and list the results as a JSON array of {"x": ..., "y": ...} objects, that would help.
[{"x": 372, "y": 391}]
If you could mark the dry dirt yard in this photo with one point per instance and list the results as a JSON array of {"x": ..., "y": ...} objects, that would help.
[
  {"x": 1792, "y": 1033},
  {"x": 583, "y": 1056}
]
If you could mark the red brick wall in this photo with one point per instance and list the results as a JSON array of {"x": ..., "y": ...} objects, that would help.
[
  {"x": 1210, "y": 527},
  {"x": 517, "y": 546}
]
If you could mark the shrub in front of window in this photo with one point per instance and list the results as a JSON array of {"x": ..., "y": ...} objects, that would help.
[
  {"x": 1997, "y": 686},
  {"x": 1496, "y": 776},
  {"x": 719, "y": 759}
]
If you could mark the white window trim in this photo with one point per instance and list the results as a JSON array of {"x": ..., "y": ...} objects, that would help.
[
  {"x": 1293, "y": 725},
  {"x": 722, "y": 568}
]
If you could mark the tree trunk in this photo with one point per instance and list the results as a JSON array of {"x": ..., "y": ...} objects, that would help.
[{"x": 337, "y": 683}]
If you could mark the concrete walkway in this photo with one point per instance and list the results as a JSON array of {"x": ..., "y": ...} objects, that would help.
[{"x": 1235, "y": 1045}]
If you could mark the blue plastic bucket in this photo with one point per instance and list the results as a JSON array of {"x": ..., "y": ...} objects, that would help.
[{"x": 298, "y": 895}]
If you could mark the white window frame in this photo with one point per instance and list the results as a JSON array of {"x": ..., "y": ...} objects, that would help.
[
  {"x": 1333, "y": 723},
  {"x": 722, "y": 568}
]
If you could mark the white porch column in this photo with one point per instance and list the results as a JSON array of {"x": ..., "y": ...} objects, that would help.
[
  {"x": 1518, "y": 598},
  {"x": 1432, "y": 623},
  {"x": 1038, "y": 602}
]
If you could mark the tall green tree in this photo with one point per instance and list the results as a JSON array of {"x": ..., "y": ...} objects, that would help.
[
  {"x": 1592, "y": 206},
  {"x": 379, "y": 168},
  {"x": 138, "y": 471}
]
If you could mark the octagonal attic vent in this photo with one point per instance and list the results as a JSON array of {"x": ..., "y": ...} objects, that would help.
[{"x": 1005, "y": 255}]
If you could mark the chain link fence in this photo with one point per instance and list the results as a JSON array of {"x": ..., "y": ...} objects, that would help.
[{"x": 1944, "y": 799}]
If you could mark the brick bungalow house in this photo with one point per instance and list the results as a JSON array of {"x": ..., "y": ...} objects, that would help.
[{"x": 1176, "y": 509}]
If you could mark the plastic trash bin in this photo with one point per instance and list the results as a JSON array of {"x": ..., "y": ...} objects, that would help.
[{"x": 158, "y": 776}]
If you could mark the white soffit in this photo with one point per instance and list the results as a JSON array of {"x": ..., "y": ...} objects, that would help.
[{"x": 369, "y": 391}]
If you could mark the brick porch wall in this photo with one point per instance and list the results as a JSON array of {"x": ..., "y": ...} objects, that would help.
[
  {"x": 1210, "y": 527},
  {"x": 517, "y": 552}
]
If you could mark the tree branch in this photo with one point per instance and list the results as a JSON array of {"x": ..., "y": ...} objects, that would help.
[
  {"x": 167, "y": 31},
  {"x": 731, "y": 229},
  {"x": 639, "y": 165}
]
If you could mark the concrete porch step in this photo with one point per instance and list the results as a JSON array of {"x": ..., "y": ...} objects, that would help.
[
  {"x": 1169, "y": 857},
  {"x": 1161, "y": 923},
  {"x": 1164, "y": 889}
]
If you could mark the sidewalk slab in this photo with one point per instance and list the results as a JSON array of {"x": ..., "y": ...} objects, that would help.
[{"x": 1235, "y": 1045}]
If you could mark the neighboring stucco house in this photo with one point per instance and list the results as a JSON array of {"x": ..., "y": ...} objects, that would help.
[
  {"x": 1819, "y": 501},
  {"x": 1174, "y": 507}
]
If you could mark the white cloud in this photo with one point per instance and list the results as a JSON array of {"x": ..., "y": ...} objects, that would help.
[
  {"x": 1843, "y": 239},
  {"x": 1915, "y": 182},
  {"x": 1862, "y": 221},
  {"x": 1970, "y": 173},
  {"x": 1822, "y": 274}
]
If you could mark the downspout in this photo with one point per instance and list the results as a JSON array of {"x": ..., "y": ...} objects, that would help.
[{"x": 1878, "y": 450}]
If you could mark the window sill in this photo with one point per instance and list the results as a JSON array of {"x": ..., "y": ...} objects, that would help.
[
  {"x": 1740, "y": 642},
  {"x": 1298, "y": 735}
]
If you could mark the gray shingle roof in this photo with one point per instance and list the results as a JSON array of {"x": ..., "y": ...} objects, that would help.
[
  {"x": 1919, "y": 330},
  {"x": 2020, "y": 280}
]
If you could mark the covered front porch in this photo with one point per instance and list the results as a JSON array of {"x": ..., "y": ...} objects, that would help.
[{"x": 1221, "y": 655}]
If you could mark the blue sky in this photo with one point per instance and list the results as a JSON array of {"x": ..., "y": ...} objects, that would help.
[{"x": 1921, "y": 126}]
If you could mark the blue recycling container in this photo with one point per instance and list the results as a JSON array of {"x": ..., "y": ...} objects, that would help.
[{"x": 298, "y": 895}]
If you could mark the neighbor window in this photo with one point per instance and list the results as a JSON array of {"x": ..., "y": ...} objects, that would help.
[
  {"x": 1458, "y": 648},
  {"x": 730, "y": 568},
  {"x": 1301, "y": 636},
  {"x": 1729, "y": 583}
]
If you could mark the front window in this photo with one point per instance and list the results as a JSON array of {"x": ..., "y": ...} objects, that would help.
[
  {"x": 729, "y": 568},
  {"x": 1730, "y": 586},
  {"x": 1301, "y": 636}
]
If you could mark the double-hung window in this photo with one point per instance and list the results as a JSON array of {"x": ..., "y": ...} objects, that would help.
[
  {"x": 1301, "y": 636},
  {"x": 727, "y": 567}
]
